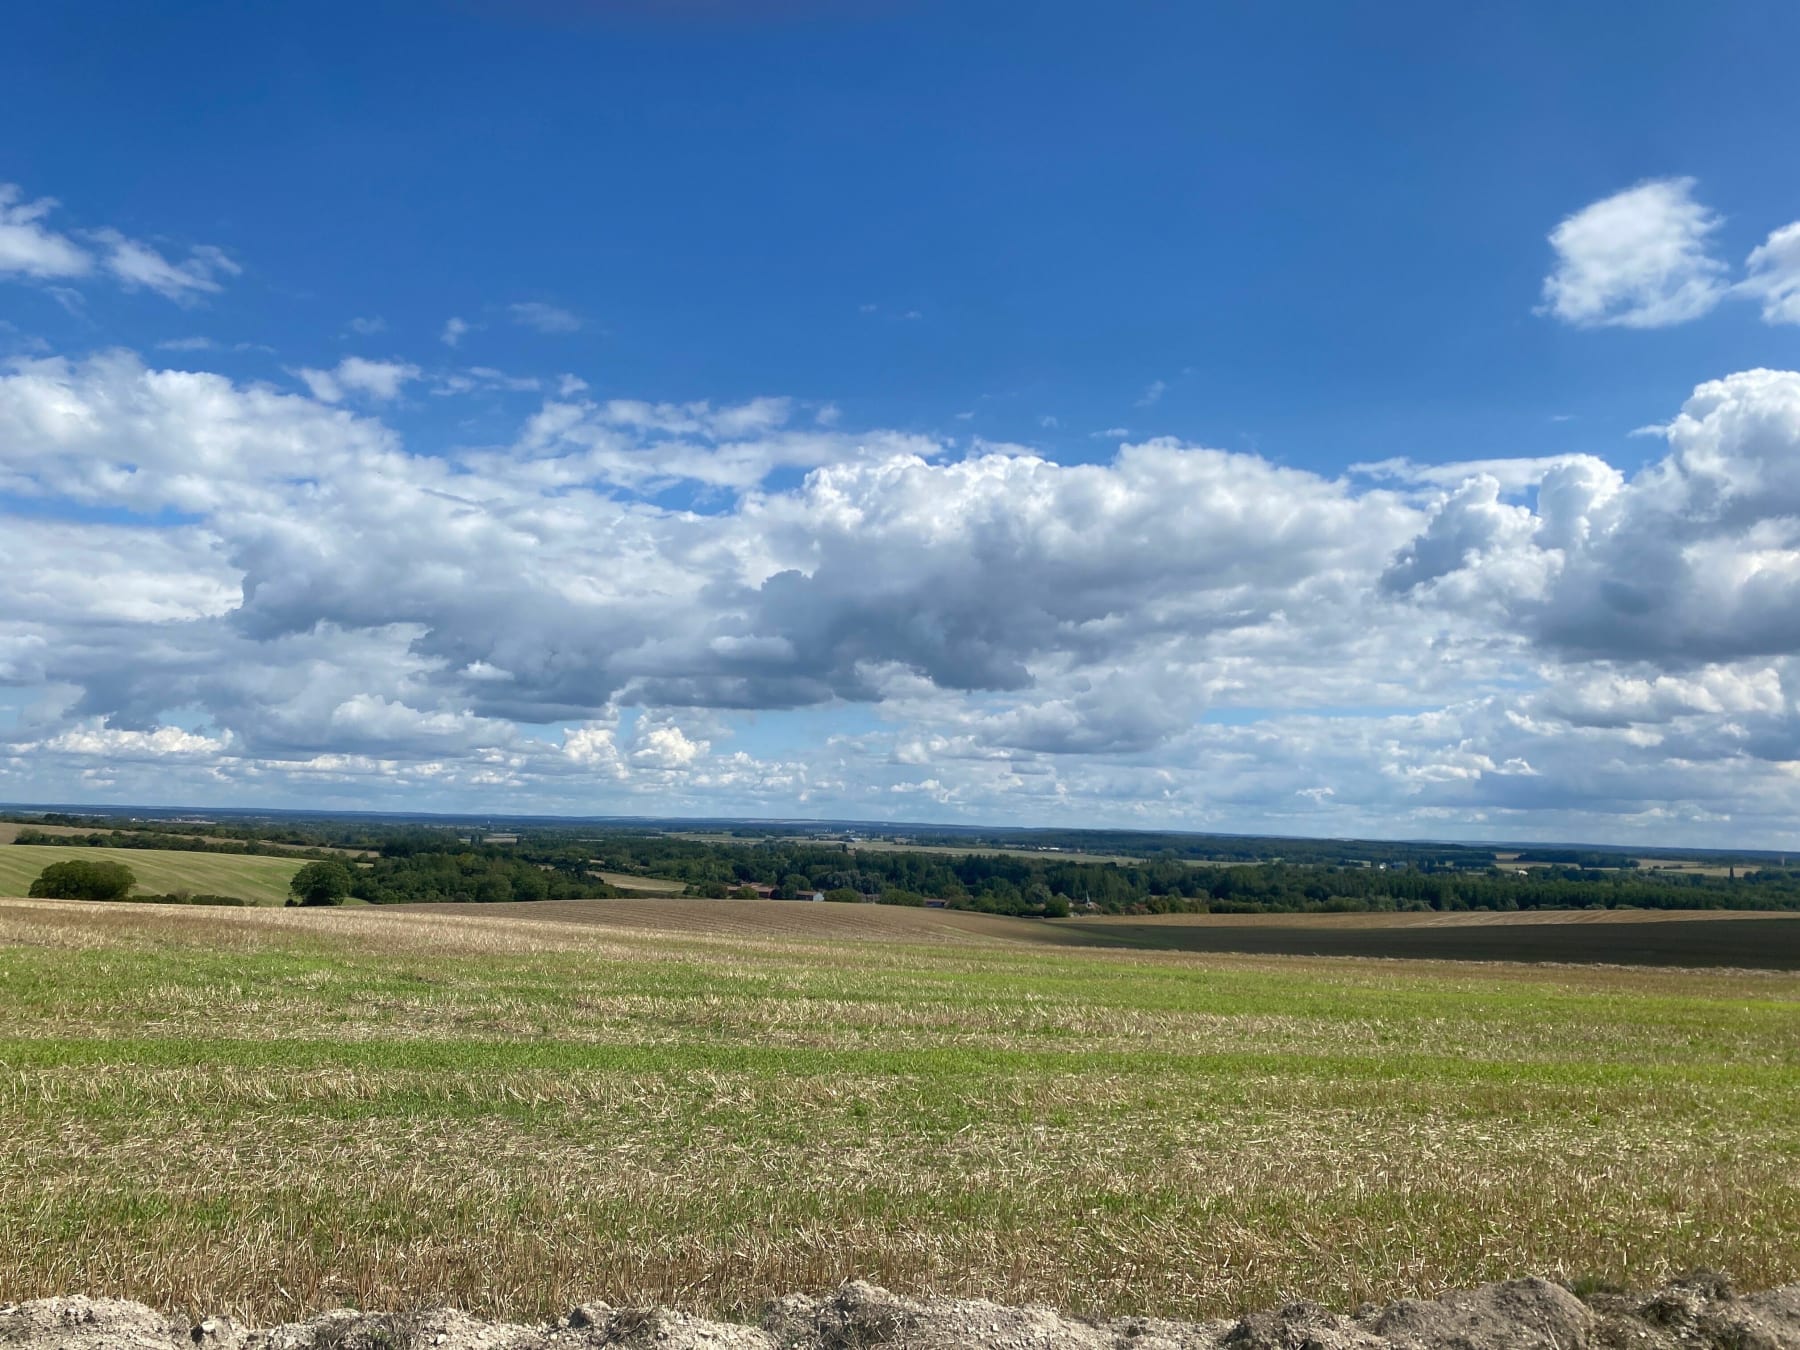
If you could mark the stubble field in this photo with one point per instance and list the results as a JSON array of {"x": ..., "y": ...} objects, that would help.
[{"x": 272, "y": 1111}]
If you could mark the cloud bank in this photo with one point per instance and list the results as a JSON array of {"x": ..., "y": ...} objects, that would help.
[{"x": 229, "y": 591}]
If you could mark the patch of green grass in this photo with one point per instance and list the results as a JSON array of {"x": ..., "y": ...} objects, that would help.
[
  {"x": 270, "y": 1111},
  {"x": 630, "y": 881},
  {"x": 263, "y": 881}
]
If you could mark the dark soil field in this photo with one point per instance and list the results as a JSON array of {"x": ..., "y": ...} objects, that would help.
[{"x": 1762, "y": 942}]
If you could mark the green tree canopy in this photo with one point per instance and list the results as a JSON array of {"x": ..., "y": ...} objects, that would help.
[
  {"x": 495, "y": 888},
  {"x": 321, "y": 883},
  {"x": 79, "y": 879}
]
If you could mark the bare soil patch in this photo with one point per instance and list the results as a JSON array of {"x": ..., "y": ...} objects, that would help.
[
  {"x": 1700, "y": 1313},
  {"x": 1711, "y": 938},
  {"x": 1432, "y": 918}
]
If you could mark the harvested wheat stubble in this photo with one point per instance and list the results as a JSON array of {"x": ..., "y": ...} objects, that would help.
[
  {"x": 1697, "y": 1313},
  {"x": 265, "y": 1112}
]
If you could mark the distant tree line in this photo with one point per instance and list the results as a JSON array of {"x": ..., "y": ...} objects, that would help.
[
  {"x": 1577, "y": 857},
  {"x": 170, "y": 840},
  {"x": 429, "y": 862},
  {"x": 1011, "y": 884}
]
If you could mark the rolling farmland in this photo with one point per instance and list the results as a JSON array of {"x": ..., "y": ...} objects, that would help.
[{"x": 263, "y": 881}]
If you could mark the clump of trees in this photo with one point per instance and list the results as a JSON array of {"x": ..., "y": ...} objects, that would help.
[
  {"x": 79, "y": 879},
  {"x": 492, "y": 875},
  {"x": 320, "y": 883}
]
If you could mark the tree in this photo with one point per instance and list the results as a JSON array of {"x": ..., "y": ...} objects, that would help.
[
  {"x": 843, "y": 895},
  {"x": 321, "y": 883},
  {"x": 494, "y": 888},
  {"x": 79, "y": 879}
]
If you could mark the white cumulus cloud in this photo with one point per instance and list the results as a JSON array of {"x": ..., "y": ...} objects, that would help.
[
  {"x": 356, "y": 375},
  {"x": 1637, "y": 259},
  {"x": 1178, "y": 635},
  {"x": 1774, "y": 275}
]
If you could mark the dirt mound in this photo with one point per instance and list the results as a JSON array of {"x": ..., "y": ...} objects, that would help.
[{"x": 1698, "y": 1313}]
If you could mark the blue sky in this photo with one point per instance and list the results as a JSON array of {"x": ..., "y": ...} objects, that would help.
[
  {"x": 1306, "y": 237},
  {"x": 1331, "y": 218}
]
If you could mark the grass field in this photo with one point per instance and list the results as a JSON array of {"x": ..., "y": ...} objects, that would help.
[
  {"x": 10, "y": 829},
  {"x": 630, "y": 881},
  {"x": 271, "y": 1110},
  {"x": 1684, "y": 866},
  {"x": 159, "y": 871}
]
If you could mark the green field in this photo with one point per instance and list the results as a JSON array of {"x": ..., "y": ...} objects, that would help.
[
  {"x": 628, "y": 881},
  {"x": 263, "y": 881},
  {"x": 265, "y": 1111}
]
